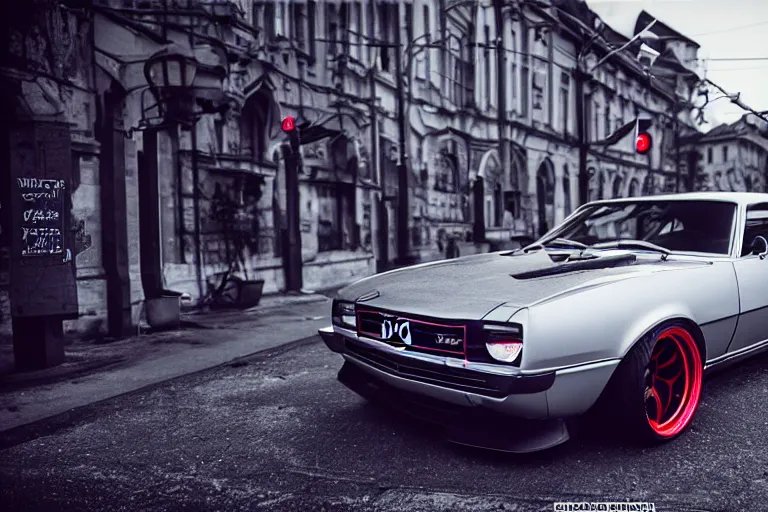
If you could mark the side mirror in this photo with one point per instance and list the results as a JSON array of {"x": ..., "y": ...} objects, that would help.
[{"x": 759, "y": 247}]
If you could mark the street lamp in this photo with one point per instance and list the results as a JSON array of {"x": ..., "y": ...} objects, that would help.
[{"x": 170, "y": 73}]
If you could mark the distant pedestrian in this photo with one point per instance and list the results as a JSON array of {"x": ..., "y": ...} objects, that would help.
[{"x": 452, "y": 248}]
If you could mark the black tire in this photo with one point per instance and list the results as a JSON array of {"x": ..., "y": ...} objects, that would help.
[{"x": 656, "y": 389}]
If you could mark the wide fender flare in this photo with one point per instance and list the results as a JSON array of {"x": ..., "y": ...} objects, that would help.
[{"x": 659, "y": 315}]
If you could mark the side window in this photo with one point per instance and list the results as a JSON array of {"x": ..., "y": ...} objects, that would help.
[
  {"x": 671, "y": 227},
  {"x": 757, "y": 225}
]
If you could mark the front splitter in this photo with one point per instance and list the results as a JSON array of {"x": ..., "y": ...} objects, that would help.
[{"x": 468, "y": 426}]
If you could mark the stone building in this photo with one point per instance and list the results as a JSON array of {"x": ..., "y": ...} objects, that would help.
[
  {"x": 732, "y": 157},
  {"x": 154, "y": 204},
  {"x": 626, "y": 87}
]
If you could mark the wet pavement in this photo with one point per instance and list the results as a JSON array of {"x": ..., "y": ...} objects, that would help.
[{"x": 278, "y": 432}]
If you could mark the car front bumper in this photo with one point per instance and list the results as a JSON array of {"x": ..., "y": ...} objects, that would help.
[{"x": 554, "y": 393}]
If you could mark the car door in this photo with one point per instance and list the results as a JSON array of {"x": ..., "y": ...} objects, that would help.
[{"x": 752, "y": 276}]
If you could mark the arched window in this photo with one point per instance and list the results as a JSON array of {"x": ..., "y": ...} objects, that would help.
[
  {"x": 254, "y": 120},
  {"x": 648, "y": 185},
  {"x": 494, "y": 207},
  {"x": 545, "y": 193},
  {"x": 634, "y": 188},
  {"x": 446, "y": 172},
  {"x": 601, "y": 186},
  {"x": 618, "y": 181}
]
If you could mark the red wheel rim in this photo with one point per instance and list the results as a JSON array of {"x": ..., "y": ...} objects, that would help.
[{"x": 672, "y": 382}]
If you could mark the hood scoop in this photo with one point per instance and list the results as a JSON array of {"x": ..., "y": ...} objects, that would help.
[
  {"x": 618, "y": 260},
  {"x": 373, "y": 294}
]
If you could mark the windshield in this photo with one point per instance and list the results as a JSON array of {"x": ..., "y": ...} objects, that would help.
[{"x": 685, "y": 226}]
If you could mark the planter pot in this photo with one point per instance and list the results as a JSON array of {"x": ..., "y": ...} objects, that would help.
[
  {"x": 240, "y": 294},
  {"x": 250, "y": 293},
  {"x": 163, "y": 312}
]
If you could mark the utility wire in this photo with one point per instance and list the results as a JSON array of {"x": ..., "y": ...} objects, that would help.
[
  {"x": 753, "y": 68},
  {"x": 732, "y": 29},
  {"x": 734, "y": 59}
]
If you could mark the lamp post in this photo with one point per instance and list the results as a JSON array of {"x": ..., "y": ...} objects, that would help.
[{"x": 170, "y": 74}]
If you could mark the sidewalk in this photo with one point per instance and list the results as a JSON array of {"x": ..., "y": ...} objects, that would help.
[{"x": 95, "y": 372}]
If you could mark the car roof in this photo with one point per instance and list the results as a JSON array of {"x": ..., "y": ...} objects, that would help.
[{"x": 740, "y": 198}]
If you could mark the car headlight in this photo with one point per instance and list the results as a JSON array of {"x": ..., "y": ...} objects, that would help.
[
  {"x": 344, "y": 314},
  {"x": 504, "y": 343}
]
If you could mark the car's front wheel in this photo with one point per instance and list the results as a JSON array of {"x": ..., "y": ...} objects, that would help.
[{"x": 657, "y": 388}]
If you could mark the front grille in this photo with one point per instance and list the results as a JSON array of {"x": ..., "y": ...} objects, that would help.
[
  {"x": 444, "y": 376},
  {"x": 448, "y": 338}
]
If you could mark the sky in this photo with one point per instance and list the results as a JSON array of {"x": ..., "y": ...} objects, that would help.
[{"x": 725, "y": 29}]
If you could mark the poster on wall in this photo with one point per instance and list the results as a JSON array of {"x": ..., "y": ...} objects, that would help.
[
  {"x": 42, "y": 215},
  {"x": 42, "y": 273}
]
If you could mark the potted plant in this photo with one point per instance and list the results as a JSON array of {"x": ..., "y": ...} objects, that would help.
[{"x": 239, "y": 225}]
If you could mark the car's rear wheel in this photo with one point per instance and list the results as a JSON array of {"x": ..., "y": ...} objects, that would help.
[{"x": 657, "y": 388}]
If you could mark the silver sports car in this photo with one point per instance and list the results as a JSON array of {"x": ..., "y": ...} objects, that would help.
[{"x": 622, "y": 308}]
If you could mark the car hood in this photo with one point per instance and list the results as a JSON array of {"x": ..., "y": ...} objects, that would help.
[{"x": 472, "y": 286}]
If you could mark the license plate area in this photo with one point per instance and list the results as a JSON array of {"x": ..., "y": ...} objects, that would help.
[{"x": 410, "y": 333}]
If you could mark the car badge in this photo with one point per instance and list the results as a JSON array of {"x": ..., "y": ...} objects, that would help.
[
  {"x": 400, "y": 327},
  {"x": 447, "y": 340}
]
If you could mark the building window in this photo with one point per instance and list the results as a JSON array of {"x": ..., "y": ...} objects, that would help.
[
  {"x": 447, "y": 172},
  {"x": 311, "y": 17},
  {"x": 427, "y": 41},
  {"x": 445, "y": 66},
  {"x": 269, "y": 21},
  {"x": 565, "y": 105},
  {"x": 601, "y": 186},
  {"x": 607, "y": 119},
  {"x": 709, "y": 155},
  {"x": 618, "y": 183},
  {"x": 469, "y": 66},
  {"x": 494, "y": 207},
  {"x": 370, "y": 18},
  {"x": 487, "y": 64},
  {"x": 218, "y": 129},
  {"x": 281, "y": 20},
  {"x": 356, "y": 36},
  {"x": 333, "y": 28},
  {"x": 596, "y": 120},
  {"x": 525, "y": 82},
  {"x": 335, "y": 223},
  {"x": 725, "y": 153},
  {"x": 409, "y": 25},
  {"x": 511, "y": 83},
  {"x": 299, "y": 21},
  {"x": 566, "y": 191},
  {"x": 550, "y": 79},
  {"x": 455, "y": 65},
  {"x": 387, "y": 24},
  {"x": 343, "y": 29},
  {"x": 257, "y": 13}
]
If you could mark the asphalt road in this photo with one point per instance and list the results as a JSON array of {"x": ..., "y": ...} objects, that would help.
[{"x": 278, "y": 432}]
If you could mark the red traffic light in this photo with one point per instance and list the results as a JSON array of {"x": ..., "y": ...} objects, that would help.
[
  {"x": 289, "y": 124},
  {"x": 643, "y": 143}
]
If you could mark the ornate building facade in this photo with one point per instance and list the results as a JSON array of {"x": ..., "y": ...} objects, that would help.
[
  {"x": 154, "y": 205},
  {"x": 732, "y": 157}
]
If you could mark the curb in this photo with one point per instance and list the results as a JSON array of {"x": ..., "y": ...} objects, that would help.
[
  {"x": 189, "y": 316},
  {"x": 19, "y": 383},
  {"x": 46, "y": 426}
]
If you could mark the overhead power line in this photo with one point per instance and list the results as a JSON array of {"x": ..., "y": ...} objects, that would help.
[
  {"x": 734, "y": 59},
  {"x": 732, "y": 29}
]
